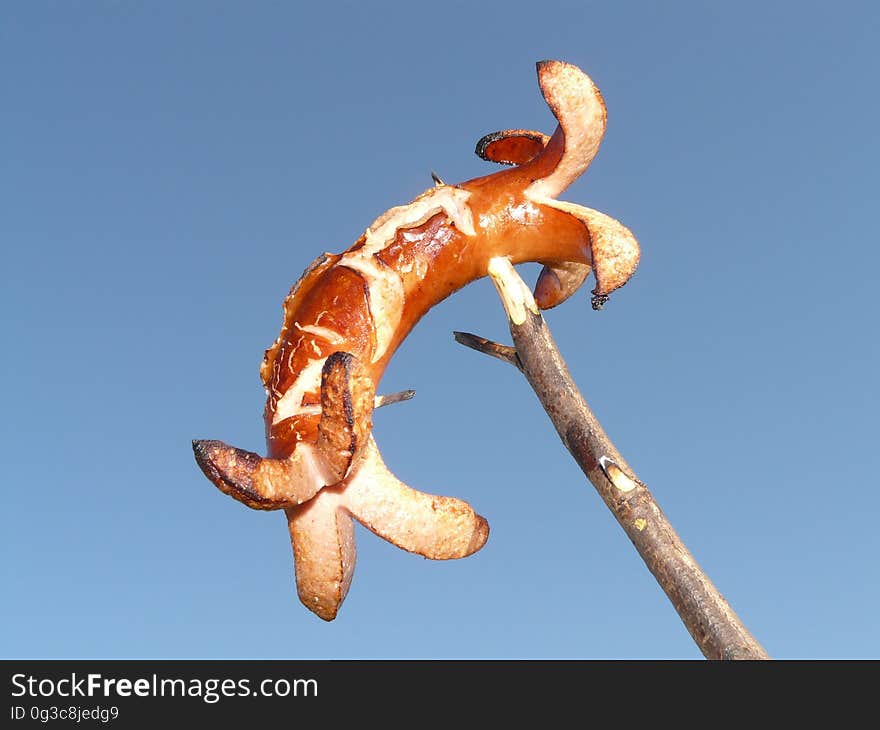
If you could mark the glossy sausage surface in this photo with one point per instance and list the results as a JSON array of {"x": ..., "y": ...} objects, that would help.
[{"x": 349, "y": 312}]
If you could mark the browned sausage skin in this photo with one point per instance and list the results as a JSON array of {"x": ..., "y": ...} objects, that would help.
[{"x": 349, "y": 312}]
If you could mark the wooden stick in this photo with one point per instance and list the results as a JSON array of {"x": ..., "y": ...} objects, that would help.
[
  {"x": 708, "y": 617},
  {"x": 392, "y": 398}
]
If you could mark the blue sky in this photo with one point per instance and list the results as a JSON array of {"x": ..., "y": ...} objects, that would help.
[{"x": 168, "y": 170}]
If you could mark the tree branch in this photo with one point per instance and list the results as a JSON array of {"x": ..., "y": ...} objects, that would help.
[
  {"x": 708, "y": 617},
  {"x": 392, "y": 398},
  {"x": 487, "y": 347}
]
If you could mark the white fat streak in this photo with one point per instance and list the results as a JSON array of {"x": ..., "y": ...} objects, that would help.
[
  {"x": 384, "y": 284},
  {"x": 385, "y": 294},
  {"x": 325, "y": 333},
  {"x": 446, "y": 199},
  {"x": 308, "y": 381}
]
